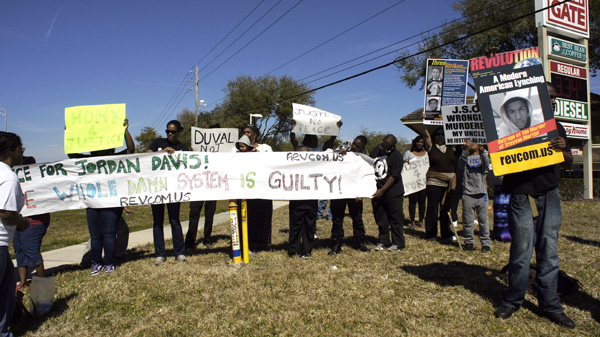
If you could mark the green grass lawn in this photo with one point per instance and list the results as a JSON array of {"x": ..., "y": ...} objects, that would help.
[{"x": 427, "y": 289}]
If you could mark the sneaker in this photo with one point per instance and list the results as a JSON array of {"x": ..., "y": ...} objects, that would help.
[
  {"x": 475, "y": 222},
  {"x": 159, "y": 261},
  {"x": 96, "y": 269},
  {"x": 181, "y": 258},
  {"x": 469, "y": 247},
  {"x": 433, "y": 238},
  {"x": 454, "y": 239},
  {"x": 379, "y": 246},
  {"x": 394, "y": 248},
  {"x": 316, "y": 237},
  {"x": 486, "y": 249},
  {"x": 306, "y": 256},
  {"x": 109, "y": 269}
]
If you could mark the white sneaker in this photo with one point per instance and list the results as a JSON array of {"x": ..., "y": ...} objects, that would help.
[
  {"x": 454, "y": 239},
  {"x": 379, "y": 247},
  {"x": 159, "y": 261},
  {"x": 475, "y": 222},
  {"x": 181, "y": 258}
]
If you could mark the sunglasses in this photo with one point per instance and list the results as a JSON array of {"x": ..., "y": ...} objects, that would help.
[{"x": 171, "y": 131}]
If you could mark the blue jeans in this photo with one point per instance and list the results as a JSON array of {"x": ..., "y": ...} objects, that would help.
[
  {"x": 102, "y": 224},
  {"x": 7, "y": 291},
  {"x": 321, "y": 209},
  {"x": 158, "y": 213},
  {"x": 528, "y": 233},
  {"x": 27, "y": 245}
]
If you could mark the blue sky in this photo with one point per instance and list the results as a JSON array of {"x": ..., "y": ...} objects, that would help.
[{"x": 58, "y": 54}]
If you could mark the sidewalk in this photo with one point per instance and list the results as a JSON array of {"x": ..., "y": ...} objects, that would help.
[{"x": 67, "y": 256}]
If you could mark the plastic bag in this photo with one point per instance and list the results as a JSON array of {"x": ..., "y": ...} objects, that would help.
[{"x": 42, "y": 294}]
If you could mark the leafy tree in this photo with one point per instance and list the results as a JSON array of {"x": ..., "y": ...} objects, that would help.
[
  {"x": 479, "y": 15},
  {"x": 246, "y": 95},
  {"x": 374, "y": 139},
  {"x": 145, "y": 138},
  {"x": 186, "y": 118}
]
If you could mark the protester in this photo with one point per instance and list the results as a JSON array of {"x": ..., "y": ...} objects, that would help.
[
  {"x": 12, "y": 201},
  {"x": 417, "y": 150},
  {"x": 102, "y": 222},
  {"x": 473, "y": 165},
  {"x": 210, "y": 206},
  {"x": 312, "y": 142},
  {"x": 441, "y": 182},
  {"x": 260, "y": 211},
  {"x": 170, "y": 145},
  {"x": 534, "y": 217},
  {"x": 355, "y": 207},
  {"x": 303, "y": 224},
  {"x": 27, "y": 244},
  {"x": 388, "y": 199}
]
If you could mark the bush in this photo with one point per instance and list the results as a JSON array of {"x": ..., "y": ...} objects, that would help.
[{"x": 568, "y": 189}]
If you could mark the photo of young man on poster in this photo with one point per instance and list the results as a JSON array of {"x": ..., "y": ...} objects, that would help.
[
  {"x": 434, "y": 89},
  {"x": 518, "y": 110}
]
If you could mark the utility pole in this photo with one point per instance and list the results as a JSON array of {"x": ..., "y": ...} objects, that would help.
[{"x": 196, "y": 114}]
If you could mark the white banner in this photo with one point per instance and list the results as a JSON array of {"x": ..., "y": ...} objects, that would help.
[
  {"x": 414, "y": 174},
  {"x": 463, "y": 123},
  {"x": 213, "y": 140},
  {"x": 314, "y": 121},
  {"x": 153, "y": 178}
]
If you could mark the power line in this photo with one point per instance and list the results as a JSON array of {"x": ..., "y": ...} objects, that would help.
[
  {"x": 256, "y": 37},
  {"x": 232, "y": 30},
  {"x": 167, "y": 109},
  {"x": 396, "y": 50},
  {"x": 464, "y": 37},
  {"x": 390, "y": 45},
  {"x": 335, "y": 37}
]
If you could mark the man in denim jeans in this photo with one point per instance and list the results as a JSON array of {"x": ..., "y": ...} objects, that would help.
[{"x": 536, "y": 228}]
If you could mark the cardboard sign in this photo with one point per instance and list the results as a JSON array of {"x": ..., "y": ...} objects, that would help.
[
  {"x": 463, "y": 123},
  {"x": 214, "y": 140},
  {"x": 158, "y": 178},
  {"x": 516, "y": 109},
  {"x": 314, "y": 121},
  {"x": 446, "y": 85},
  {"x": 94, "y": 127},
  {"x": 414, "y": 174}
]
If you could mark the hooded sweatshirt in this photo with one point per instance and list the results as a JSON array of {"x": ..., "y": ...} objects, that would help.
[{"x": 507, "y": 127}]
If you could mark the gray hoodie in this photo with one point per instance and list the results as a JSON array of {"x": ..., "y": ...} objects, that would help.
[{"x": 474, "y": 168}]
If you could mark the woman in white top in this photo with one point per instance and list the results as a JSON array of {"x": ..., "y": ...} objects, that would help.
[
  {"x": 417, "y": 150},
  {"x": 12, "y": 201}
]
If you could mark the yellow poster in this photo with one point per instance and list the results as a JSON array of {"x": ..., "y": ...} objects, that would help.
[
  {"x": 94, "y": 127},
  {"x": 525, "y": 158}
]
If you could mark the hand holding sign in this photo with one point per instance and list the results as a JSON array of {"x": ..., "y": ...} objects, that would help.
[
  {"x": 310, "y": 120},
  {"x": 94, "y": 127}
]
